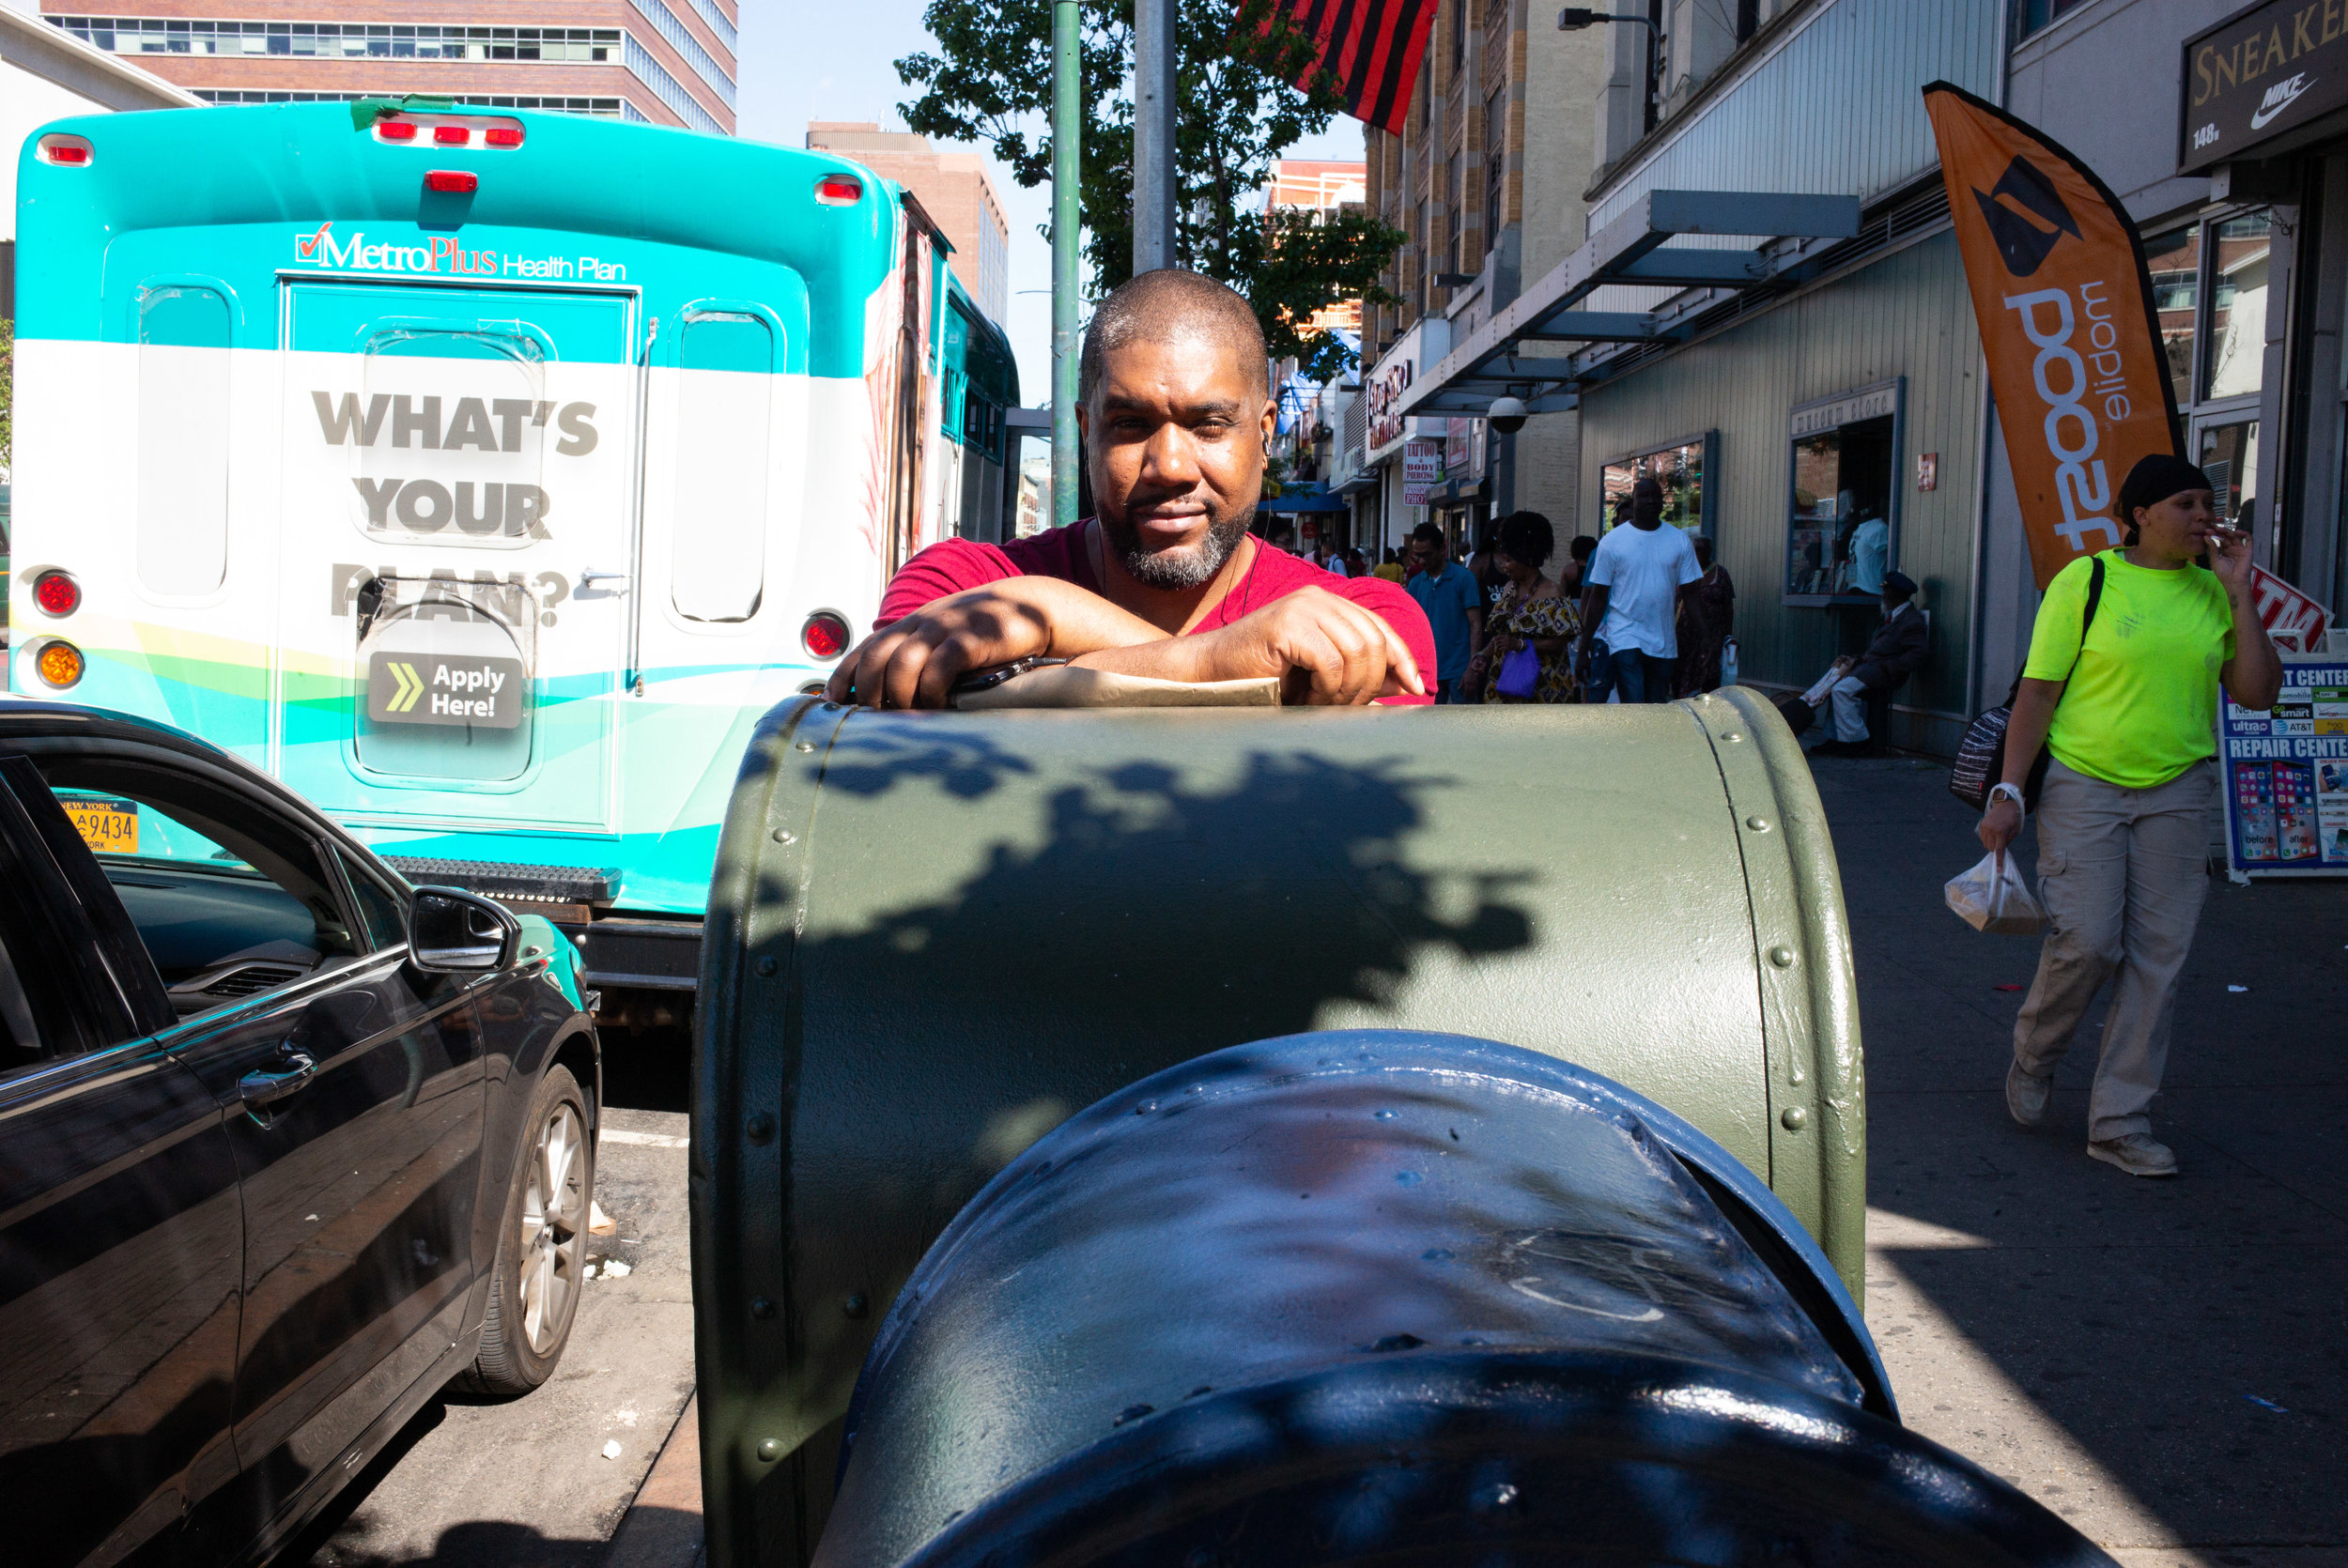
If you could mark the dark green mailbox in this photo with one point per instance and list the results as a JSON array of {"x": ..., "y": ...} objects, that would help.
[{"x": 934, "y": 936}]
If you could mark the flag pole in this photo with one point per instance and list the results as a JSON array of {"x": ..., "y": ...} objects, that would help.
[
  {"x": 1153, "y": 135},
  {"x": 1066, "y": 95}
]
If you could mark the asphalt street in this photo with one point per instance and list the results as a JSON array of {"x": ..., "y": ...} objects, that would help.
[{"x": 2163, "y": 1363}]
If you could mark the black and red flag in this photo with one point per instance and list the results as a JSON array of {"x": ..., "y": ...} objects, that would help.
[{"x": 1365, "y": 52}]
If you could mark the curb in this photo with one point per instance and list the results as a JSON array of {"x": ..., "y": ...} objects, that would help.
[{"x": 662, "y": 1527}]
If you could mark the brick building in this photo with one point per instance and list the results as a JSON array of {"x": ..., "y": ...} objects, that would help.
[
  {"x": 951, "y": 187},
  {"x": 658, "y": 62}
]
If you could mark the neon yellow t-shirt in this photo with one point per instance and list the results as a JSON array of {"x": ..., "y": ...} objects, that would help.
[{"x": 2141, "y": 706}]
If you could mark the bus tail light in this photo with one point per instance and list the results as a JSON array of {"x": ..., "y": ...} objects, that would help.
[
  {"x": 451, "y": 135},
  {"x": 65, "y": 149},
  {"x": 503, "y": 136},
  {"x": 56, "y": 594},
  {"x": 59, "y": 663},
  {"x": 396, "y": 131},
  {"x": 826, "y": 635},
  {"x": 452, "y": 181},
  {"x": 839, "y": 190}
]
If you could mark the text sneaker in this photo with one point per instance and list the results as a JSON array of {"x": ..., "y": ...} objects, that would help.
[
  {"x": 2136, "y": 1154},
  {"x": 2026, "y": 1097}
]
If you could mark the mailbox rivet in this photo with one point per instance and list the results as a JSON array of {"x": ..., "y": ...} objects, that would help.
[
  {"x": 769, "y": 1450},
  {"x": 761, "y": 1308},
  {"x": 784, "y": 836},
  {"x": 1782, "y": 957},
  {"x": 831, "y": 707},
  {"x": 1795, "y": 1118},
  {"x": 1733, "y": 735},
  {"x": 855, "y": 1305},
  {"x": 1758, "y": 824},
  {"x": 807, "y": 746},
  {"x": 765, "y": 965},
  {"x": 760, "y": 1127}
]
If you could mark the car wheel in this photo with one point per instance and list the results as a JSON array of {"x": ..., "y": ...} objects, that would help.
[{"x": 542, "y": 1246}]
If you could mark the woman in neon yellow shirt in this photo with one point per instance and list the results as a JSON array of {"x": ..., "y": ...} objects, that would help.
[{"x": 2128, "y": 715}]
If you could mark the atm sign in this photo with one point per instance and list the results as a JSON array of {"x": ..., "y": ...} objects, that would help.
[{"x": 423, "y": 688}]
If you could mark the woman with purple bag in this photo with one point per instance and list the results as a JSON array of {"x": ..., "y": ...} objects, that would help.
[{"x": 1530, "y": 630}]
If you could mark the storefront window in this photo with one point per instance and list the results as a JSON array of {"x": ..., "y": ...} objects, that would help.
[
  {"x": 2237, "y": 305},
  {"x": 2229, "y": 456},
  {"x": 2174, "y": 260},
  {"x": 1678, "y": 467},
  {"x": 1845, "y": 457}
]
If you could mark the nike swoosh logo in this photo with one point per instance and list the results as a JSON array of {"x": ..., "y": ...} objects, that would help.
[{"x": 2266, "y": 116}]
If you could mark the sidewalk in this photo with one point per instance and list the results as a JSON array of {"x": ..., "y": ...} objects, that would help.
[{"x": 2161, "y": 1363}]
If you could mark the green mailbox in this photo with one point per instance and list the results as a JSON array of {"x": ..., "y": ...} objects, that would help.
[{"x": 934, "y": 936}]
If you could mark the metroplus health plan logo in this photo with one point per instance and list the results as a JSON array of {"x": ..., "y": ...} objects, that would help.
[{"x": 442, "y": 256}]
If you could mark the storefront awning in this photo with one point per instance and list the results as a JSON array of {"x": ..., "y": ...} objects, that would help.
[
  {"x": 1526, "y": 349},
  {"x": 1315, "y": 500}
]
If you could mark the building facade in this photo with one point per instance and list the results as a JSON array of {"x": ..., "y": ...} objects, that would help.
[
  {"x": 659, "y": 62},
  {"x": 953, "y": 188},
  {"x": 1486, "y": 182}
]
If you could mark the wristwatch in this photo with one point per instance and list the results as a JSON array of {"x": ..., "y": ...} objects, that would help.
[{"x": 2005, "y": 790}]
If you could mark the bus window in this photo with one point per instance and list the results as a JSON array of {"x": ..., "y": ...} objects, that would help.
[
  {"x": 181, "y": 541},
  {"x": 450, "y": 433},
  {"x": 718, "y": 546}
]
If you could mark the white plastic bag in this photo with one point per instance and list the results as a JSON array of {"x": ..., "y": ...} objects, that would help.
[{"x": 1992, "y": 898}]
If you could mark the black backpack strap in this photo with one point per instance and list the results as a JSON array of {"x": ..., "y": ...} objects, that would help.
[{"x": 2086, "y": 616}]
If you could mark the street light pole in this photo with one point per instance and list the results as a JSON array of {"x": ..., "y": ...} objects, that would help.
[
  {"x": 1153, "y": 135},
  {"x": 1067, "y": 96}
]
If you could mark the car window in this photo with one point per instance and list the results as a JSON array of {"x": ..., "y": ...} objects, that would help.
[
  {"x": 21, "y": 1034},
  {"x": 384, "y": 911},
  {"x": 230, "y": 899}
]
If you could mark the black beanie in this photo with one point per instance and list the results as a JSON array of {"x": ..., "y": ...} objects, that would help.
[{"x": 2154, "y": 479}]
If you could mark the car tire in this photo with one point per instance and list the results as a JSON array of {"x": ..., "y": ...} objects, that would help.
[{"x": 542, "y": 1246}]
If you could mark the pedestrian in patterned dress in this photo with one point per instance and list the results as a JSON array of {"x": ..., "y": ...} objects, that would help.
[{"x": 1530, "y": 610}]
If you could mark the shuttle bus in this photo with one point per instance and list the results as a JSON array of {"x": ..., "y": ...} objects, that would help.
[{"x": 482, "y": 475}]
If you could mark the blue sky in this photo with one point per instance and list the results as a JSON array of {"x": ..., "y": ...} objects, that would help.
[{"x": 833, "y": 60}]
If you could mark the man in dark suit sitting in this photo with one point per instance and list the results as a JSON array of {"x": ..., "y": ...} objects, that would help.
[{"x": 1891, "y": 658}]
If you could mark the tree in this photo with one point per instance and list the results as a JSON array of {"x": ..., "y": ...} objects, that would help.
[{"x": 991, "y": 82}]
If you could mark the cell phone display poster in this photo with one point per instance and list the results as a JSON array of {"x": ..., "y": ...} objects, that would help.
[{"x": 2286, "y": 774}]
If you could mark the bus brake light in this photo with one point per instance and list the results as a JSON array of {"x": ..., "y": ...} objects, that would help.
[
  {"x": 826, "y": 635},
  {"x": 56, "y": 594},
  {"x": 452, "y": 181},
  {"x": 396, "y": 131},
  {"x": 839, "y": 190}
]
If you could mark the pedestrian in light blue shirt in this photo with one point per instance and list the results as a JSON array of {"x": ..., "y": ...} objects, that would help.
[{"x": 1454, "y": 602}]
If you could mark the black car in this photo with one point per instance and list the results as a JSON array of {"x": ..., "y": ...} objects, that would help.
[{"x": 287, "y": 1146}]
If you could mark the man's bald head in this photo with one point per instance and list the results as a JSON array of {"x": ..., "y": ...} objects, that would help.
[{"x": 1167, "y": 306}]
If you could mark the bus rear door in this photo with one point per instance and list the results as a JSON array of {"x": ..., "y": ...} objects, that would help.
[{"x": 460, "y": 513}]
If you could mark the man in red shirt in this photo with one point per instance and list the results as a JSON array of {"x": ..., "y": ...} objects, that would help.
[{"x": 1165, "y": 581}]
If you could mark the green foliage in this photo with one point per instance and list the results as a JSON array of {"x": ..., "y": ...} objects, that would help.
[{"x": 990, "y": 80}]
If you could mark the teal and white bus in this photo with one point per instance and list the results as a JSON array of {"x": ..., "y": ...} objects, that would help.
[{"x": 482, "y": 475}]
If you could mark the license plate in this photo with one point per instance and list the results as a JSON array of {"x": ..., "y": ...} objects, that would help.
[
  {"x": 446, "y": 689},
  {"x": 107, "y": 826}
]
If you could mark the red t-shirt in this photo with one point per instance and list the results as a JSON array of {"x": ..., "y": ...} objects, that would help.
[{"x": 955, "y": 566}]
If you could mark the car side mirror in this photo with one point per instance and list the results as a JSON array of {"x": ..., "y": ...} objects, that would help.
[{"x": 455, "y": 932}]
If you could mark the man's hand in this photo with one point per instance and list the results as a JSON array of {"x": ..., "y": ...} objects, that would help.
[
  {"x": 913, "y": 662},
  {"x": 1327, "y": 650}
]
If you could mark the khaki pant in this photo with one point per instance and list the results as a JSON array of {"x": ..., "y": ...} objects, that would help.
[{"x": 2123, "y": 875}]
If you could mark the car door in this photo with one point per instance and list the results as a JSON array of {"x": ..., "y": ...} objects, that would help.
[
  {"x": 354, "y": 1094},
  {"x": 120, "y": 1236}
]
